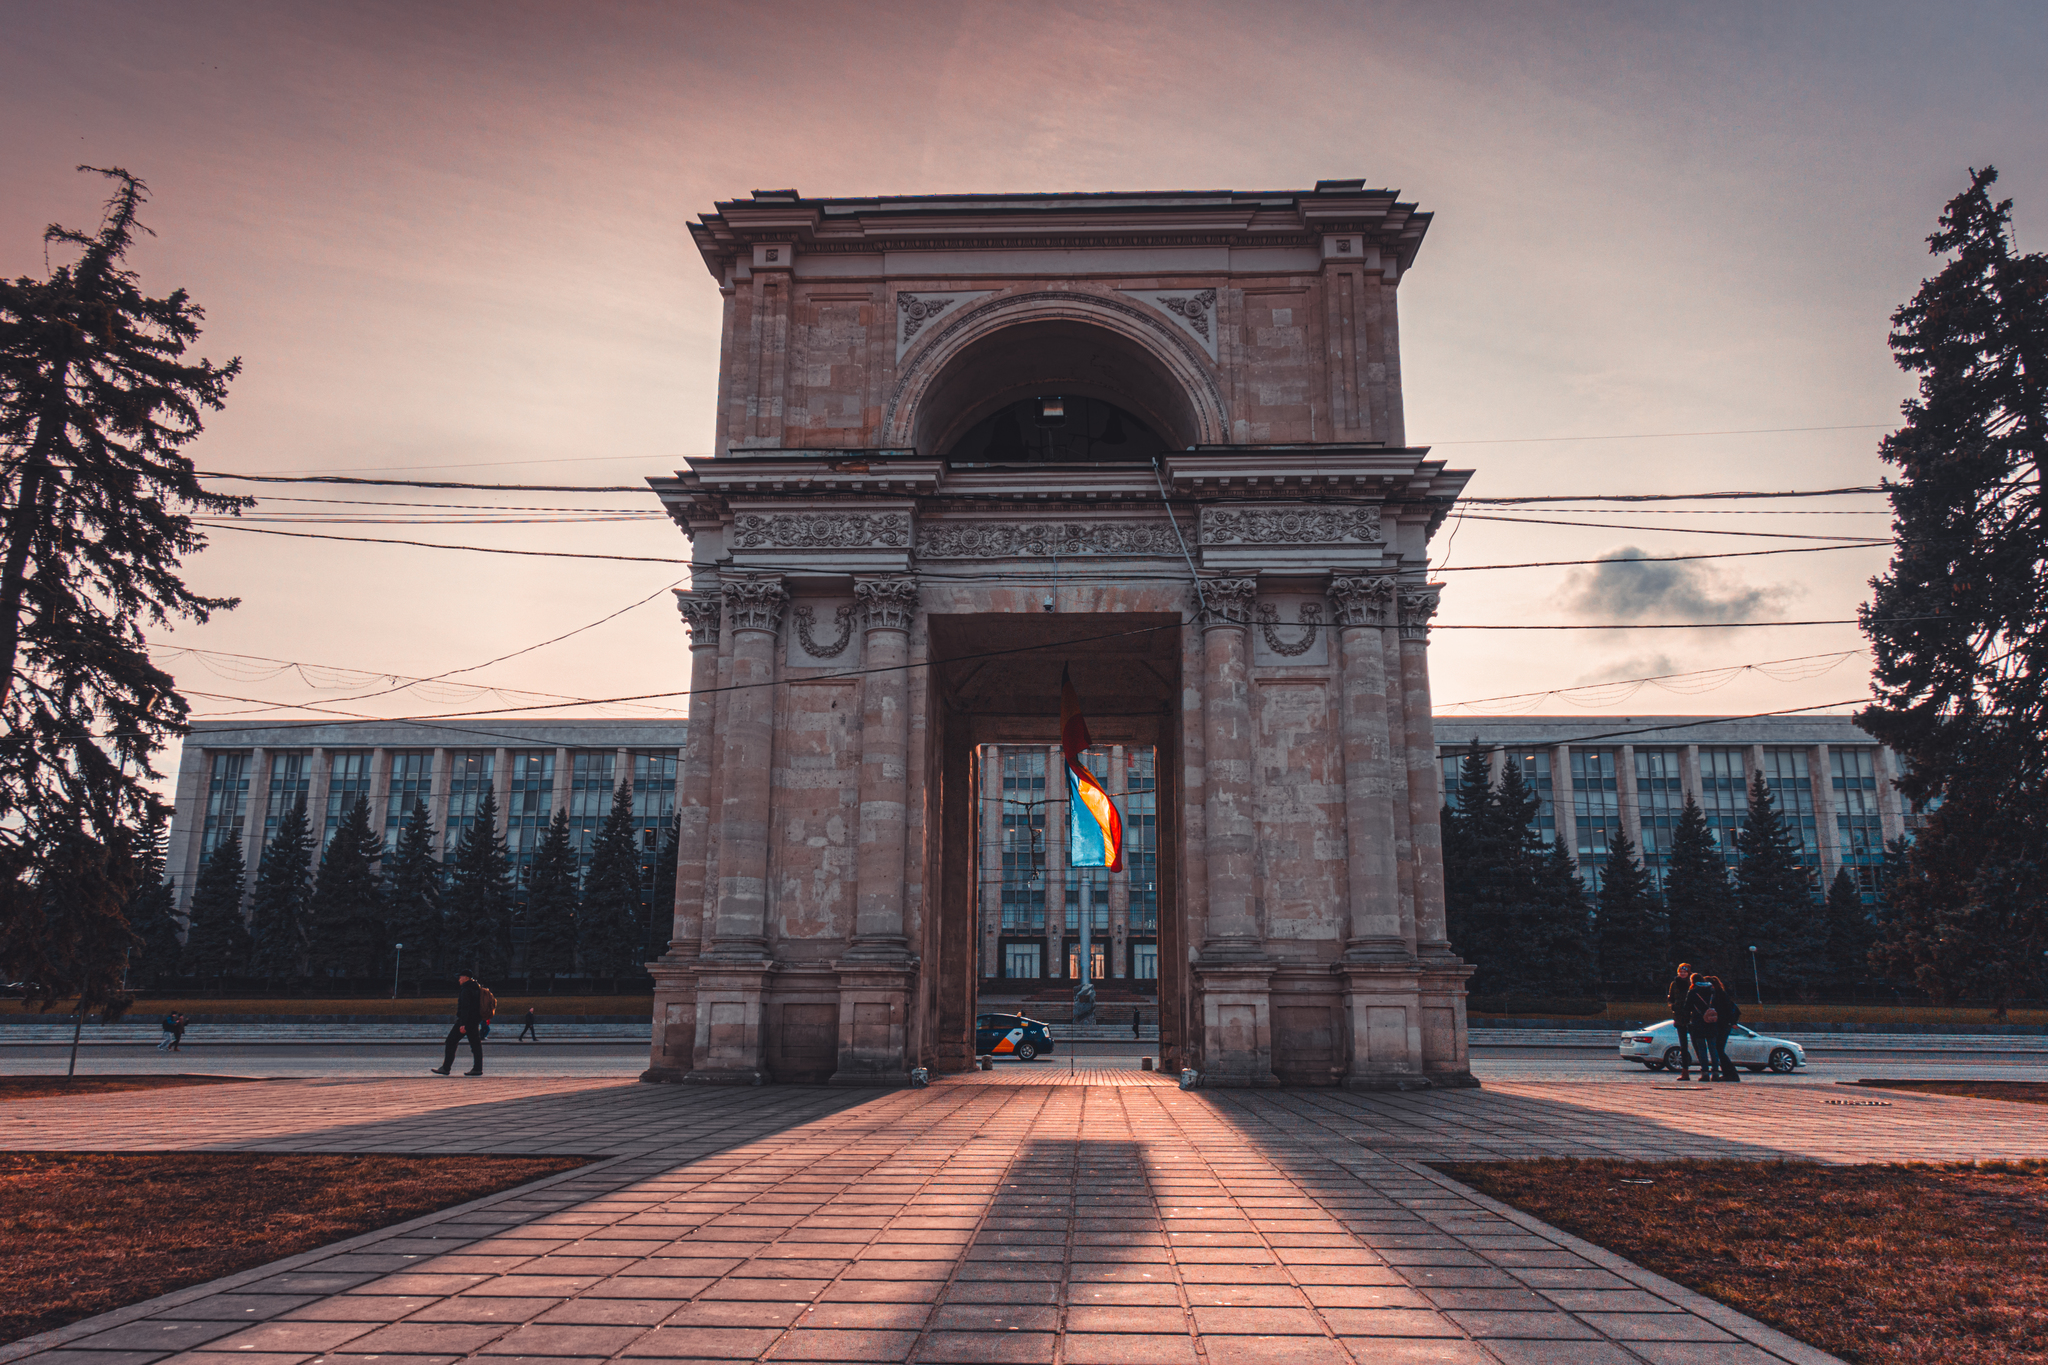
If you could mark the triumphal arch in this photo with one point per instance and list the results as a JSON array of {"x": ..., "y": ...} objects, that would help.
[{"x": 965, "y": 442}]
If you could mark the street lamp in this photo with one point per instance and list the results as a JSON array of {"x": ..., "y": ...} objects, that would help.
[
  {"x": 1755, "y": 975},
  {"x": 395, "y": 960}
]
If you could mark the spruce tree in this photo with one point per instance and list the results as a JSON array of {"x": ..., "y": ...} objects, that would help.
[
  {"x": 153, "y": 914},
  {"x": 413, "y": 901},
  {"x": 1462, "y": 804},
  {"x": 551, "y": 904},
  {"x": 1849, "y": 932},
  {"x": 1558, "y": 959},
  {"x": 347, "y": 908},
  {"x": 659, "y": 911},
  {"x": 217, "y": 942},
  {"x": 1955, "y": 622},
  {"x": 1698, "y": 901},
  {"x": 1632, "y": 934},
  {"x": 280, "y": 910},
  {"x": 65, "y": 931},
  {"x": 609, "y": 923},
  {"x": 480, "y": 896},
  {"x": 1774, "y": 904}
]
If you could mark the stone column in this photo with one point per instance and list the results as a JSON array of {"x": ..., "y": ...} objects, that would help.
[
  {"x": 1820, "y": 772},
  {"x": 254, "y": 811},
  {"x": 188, "y": 826},
  {"x": 1397, "y": 766},
  {"x": 675, "y": 983},
  {"x": 1234, "y": 970},
  {"x": 1689, "y": 772},
  {"x": 1444, "y": 1054},
  {"x": 1119, "y": 882},
  {"x": 380, "y": 789},
  {"x": 318, "y": 777},
  {"x": 438, "y": 782},
  {"x": 1891, "y": 804},
  {"x": 989, "y": 879},
  {"x": 875, "y": 974},
  {"x": 1564, "y": 800},
  {"x": 565, "y": 766},
  {"x": 733, "y": 972},
  {"x": 501, "y": 787},
  {"x": 1631, "y": 799}
]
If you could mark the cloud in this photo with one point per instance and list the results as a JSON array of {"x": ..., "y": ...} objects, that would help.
[
  {"x": 1653, "y": 665},
  {"x": 1691, "y": 592}
]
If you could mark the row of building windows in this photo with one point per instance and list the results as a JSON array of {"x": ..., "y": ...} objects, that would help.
[
  {"x": 1024, "y": 961},
  {"x": 528, "y": 804},
  {"x": 1723, "y": 797}
]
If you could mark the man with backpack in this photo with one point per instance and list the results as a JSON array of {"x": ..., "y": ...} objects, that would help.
[
  {"x": 1681, "y": 1016},
  {"x": 474, "y": 1006}
]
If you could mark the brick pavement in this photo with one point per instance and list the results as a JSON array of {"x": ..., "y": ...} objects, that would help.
[{"x": 984, "y": 1219}]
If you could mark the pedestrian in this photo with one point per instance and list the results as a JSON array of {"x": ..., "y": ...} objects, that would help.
[
  {"x": 1726, "y": 1015},
  {"x": 170, "y": 1022},
  {"x": 469, "y": 1023},
  {"x": 1681, "y": 1017},
  {"x": 529, "y": 1031},
  {"x": 1711, "y": 1005},
  {"x": 178, "y": 1022},
  {"x": 1136, "y": 1017}
]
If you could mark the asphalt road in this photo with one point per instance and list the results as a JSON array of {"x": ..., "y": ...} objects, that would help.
[{"x": 626, "y": 1059}]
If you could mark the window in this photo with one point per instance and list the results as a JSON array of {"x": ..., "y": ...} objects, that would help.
[
  {"x": 1096, "y": 970},
  {"x": 1452, "y": 761},
  {"x": 1141, "y": 837},
  {"x": 1858, "y": 826},
  {"x": 1145, "y": 961},
  {"x": 590, "y": 799},
  {"x": 1724, "y": 796},
  {"x": 1596, "y": 810},
  {"x": 1660, "y": 800},
  {"x": 291, "y": 778},
  {"x": 1021, "y": 959},
  {"x": 1023, "y": 841},
  {"x": 412, "y": 779},
  {"x": 1785, "y": 772},
  {"x": 348, "y": 781},
  {"x": 227, "y": 799},
  {"x": 529, "y": 806},
  {"x": 470, "y": 773},
  {"x": 654, "y": 802}
]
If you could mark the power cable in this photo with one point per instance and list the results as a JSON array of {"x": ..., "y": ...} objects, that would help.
[
  {"x": 1732, "y": 669},
  {"x": 1661, "y": 530},
  {"x": 1661, "y": 435},
  {"x": 432, "y": 545},
  {"x": 1662, "y": 559}
]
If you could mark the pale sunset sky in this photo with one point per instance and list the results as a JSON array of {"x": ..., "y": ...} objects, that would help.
[{"x": 448, "y": 240}]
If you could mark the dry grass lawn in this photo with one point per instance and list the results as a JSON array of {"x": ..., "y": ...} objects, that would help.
[
  {"x": 2021, "y": 1092},
  {"x": 52, "y": 1087},
  {"x": 437, "y": 1006},
  {"x": 1881, "y": 1264},
  {"x": 85, "y": 1232},
  {"x": 1787, "y": 1016}
]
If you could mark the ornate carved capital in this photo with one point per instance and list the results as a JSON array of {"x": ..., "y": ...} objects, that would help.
[
  {"x": 1229, "y": 601},
  {"x": 886, "y": 603},
  {"x": 702, "y": 613},
  {"x": 1417, "y": 606},
  {"x": 755, "y": 603},
  {"x": 1362, "y": 601}
]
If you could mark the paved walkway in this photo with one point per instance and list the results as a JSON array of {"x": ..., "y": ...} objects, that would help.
[{"x": 988, "y": 1218}]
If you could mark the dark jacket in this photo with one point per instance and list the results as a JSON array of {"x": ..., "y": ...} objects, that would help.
[
  {"x": 469, "y": 1003},
  {"x": 1676, "y": 995},
  {"x": 1707, "y": 996},
  {"x": 1724, "y": 1005}
]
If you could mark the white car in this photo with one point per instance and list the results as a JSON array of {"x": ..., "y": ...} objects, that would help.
[{"x": 1657, "y": 1048}]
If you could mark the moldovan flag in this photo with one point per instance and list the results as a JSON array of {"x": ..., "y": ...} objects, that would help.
[{"x": 1096, "y": 831}]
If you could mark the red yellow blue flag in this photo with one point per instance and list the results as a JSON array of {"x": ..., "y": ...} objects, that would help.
[{"x": 1095, "y": 830}]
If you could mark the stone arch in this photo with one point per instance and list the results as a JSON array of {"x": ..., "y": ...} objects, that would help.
[{"x": 1012, "y": 346}]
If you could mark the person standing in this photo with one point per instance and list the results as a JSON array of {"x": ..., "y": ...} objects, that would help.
[
  {"x": 1710, "y": 1005},
  {"x": 178, "y": 1022},
  {"x": 170, "y": 1022},
  {"x": 469, "y": 1023},
  {"x": 1727, "y": 1014},
  {"x": 1681, "y": 1017},
  {"x": 529, "y": 1031}
]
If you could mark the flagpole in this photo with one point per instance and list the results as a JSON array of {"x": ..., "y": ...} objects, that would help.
[{"x": 1084, "y": 991}]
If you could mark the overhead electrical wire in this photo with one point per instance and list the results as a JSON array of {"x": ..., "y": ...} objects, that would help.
[
  {"x": 1661, "y": 530},
  {"x": 1723, "y": 675}
]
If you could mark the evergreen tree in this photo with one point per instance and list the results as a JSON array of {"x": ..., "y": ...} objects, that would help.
[
  {"x": 1697, "y": 898},
  {"x": 1849, "y": 932},
  {"x": 660, "y": 910},
  {"x": 1466, "y": 797},
  {"x": 551, "y": 904},
  {"x": 1774, "y": 904},
  {"x": 96, "y": 402},
  {"x": 1632, "y": 932},
  {"x": 1558, "y": 954},
  {"x": 1504, "y": 918},
  {"x": 480, "y": 896},
  {"x": 153, "y": 915},
  {"x": 609, "y": 923},
  {"x": 280, "y": 910},
  {"x": 413, "y": 900},
  {"x": 64, "y": 929},
  {"x": 1956, "y": 620},
  {"x": 217, "y": 942},
  {"x": 347, "y": 909}
]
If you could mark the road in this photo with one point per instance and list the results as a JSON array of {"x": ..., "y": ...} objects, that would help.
[{"x": 625, "y": 1059}]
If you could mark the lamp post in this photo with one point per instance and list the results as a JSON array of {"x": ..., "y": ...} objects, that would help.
[
  {"x": 397, "y": 958},
  {"x": 1755, "y": 975}
]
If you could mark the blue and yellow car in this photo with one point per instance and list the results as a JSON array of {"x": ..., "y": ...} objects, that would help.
[{"x": 1011, "y": 1035}]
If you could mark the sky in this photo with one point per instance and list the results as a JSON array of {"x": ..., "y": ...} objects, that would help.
[{"x": 449, "y": 241}]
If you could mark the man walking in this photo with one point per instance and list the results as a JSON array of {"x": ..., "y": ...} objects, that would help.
[
  {"x": 1681, "y": 1015},
  {"x": 529, "y": 1031},
  {"x": 469, "y": 1023}
]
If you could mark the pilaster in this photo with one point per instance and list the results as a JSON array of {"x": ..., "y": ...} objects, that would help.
[{"x": 673, "y": 1051}]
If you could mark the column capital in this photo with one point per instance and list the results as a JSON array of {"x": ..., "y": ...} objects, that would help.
[
  {"x": 702, "y": 613},
  {"x": 755, "y": 601},
  {"x": 1418, "y": 604},
  {"x": 1227, "y": 601},
  {"x": 1363, "y": 601},
  {"x": 886, "y": 602}
]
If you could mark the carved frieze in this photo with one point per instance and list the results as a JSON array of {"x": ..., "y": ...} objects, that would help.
[
  {"x": 702, "y": 613},
  {"x": 1362, "y": 601},
  {"x": 1291, "y": 526},
  {"x": 1417, "y": 606},
  {"x": 886, "y": 603},
  {"x": 820, "y": 530},
  {"x": 1039, "y": 540},
  {"x": 1228, "y": 601},
  {"x": 755, "y": 603},
  {"x": 806, "y": 620}
]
